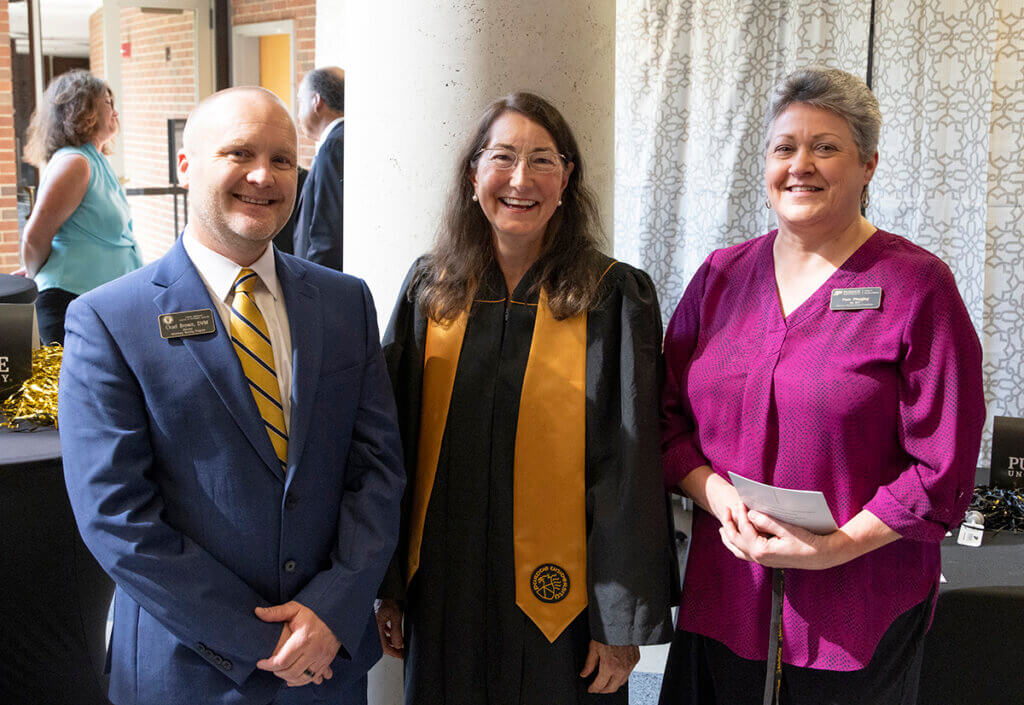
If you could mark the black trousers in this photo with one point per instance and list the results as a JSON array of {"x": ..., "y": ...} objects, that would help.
[
  {"x": 702, "y": 671},
  {"x": 51, "y": 305}
]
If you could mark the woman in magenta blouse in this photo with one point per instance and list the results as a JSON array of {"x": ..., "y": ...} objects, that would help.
[{"x": 880, "y": 408}]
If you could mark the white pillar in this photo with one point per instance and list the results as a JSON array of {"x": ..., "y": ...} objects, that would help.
[{"x": 418, "y": 75}]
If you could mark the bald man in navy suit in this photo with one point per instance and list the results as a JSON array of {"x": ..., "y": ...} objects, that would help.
[{"x": 230, "y": 443}]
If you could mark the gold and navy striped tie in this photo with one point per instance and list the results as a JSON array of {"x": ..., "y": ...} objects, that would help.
[{"x": 252, "y": 344}]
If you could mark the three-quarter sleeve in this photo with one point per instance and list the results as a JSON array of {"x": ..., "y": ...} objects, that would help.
[
  {"x": 680, "y": 451},
  {"x": 941, "y": 413}
]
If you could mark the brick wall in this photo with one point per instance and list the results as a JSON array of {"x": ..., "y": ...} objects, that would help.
[
  {"x": 154, "y": 88},
  {"x": 96, "y": 43},
  {"x": 303, "y": 14},
  {"x": 9, "y": 260}
]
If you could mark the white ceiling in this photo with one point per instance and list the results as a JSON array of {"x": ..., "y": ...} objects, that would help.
[{"x": 64, "y": 24}]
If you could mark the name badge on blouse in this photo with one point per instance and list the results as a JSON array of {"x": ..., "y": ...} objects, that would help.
[
  {"x": 856, "y": 299},
  {"x": 185, "y": 324}
]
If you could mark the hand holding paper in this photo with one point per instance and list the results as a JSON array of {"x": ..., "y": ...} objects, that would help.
[
  {"x": 811, "y": 541},
  {"x": 802, "y": 508},
  {"x": 775, "y": 544}
]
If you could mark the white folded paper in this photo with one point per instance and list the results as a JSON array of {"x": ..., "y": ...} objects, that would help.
[{"x": 803, "y": 508}]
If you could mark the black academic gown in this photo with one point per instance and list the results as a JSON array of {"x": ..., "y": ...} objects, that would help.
[{"x": 467, "y": 643}]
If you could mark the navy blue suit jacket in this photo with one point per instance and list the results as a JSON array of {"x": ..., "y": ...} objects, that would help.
[
  {"x": 318, "y": 226},
  {"x": 178, "y": 493}
]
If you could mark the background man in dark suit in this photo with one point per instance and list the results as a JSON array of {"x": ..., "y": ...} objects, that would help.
[
  {"x": 285, "y": 239},
  {"x": 321, "y": 116},
  {"x": 230, "y": 443}
]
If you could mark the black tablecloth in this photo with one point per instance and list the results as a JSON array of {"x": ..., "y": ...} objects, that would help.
[
  {"x": 974, "y": 652},
  {"x": 55, "y": 597},
  {"x": 17, "y": 290}
]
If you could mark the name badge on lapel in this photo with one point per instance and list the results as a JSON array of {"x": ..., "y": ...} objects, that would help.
[
  {"x": 185, "y": 324},
  {"x": 865, "y": 297}
]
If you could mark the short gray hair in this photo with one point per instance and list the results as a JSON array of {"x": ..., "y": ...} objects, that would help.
[
  {"x": 836, "y": 91},
  {"x": 329, "y": 83}
]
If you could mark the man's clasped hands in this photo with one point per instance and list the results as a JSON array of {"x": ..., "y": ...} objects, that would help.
[{"x": 306, "y": 648}]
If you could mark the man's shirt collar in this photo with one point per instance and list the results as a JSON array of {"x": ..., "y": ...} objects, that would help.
[
  {"x": 327, "y": 130},
  {"x": 219, "y": 272}
]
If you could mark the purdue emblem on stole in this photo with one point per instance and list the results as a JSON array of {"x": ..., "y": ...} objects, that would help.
[{"x": 549, "y": 583}]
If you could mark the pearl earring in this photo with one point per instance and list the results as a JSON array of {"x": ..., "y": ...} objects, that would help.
[
  {"x": 475, "y": 199},
  {"x": 559, "y": 201}
]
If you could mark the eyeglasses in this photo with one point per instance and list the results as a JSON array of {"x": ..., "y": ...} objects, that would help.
[{"x": 542, "y": 162}]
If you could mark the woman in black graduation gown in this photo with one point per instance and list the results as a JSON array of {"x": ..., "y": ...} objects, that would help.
[{"x": 536, "y": 548}]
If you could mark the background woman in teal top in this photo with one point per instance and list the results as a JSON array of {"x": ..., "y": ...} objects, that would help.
[{"x": 80, "y": 232}]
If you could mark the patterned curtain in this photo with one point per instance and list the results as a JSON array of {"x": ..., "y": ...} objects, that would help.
[
  {"x": 692, "y": 84},
  {"x": 933, "y": 80},
  {"x": 1003, "y": 326},
  {"x": 692, "y": 80}
]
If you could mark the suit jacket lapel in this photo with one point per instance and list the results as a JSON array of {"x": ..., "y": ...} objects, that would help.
[
  {"x": 184, "y": 290},
  {"x": 305, "y": 321}
]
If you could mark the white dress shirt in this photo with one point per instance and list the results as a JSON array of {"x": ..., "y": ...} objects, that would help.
[
  {"x": 326, "y": 131},
  {"x": 219, "y": 273}
]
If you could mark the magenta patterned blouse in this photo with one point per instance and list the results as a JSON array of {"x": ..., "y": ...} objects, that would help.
[{"x": 879, "y": 409}]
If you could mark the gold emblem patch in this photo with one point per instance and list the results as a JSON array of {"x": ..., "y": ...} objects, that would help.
[{"x": 549, "y": 583}]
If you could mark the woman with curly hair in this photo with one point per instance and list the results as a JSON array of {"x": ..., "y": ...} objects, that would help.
[
  {"x": 536, "y": 551},
  {"x": 80, "y": 232}
]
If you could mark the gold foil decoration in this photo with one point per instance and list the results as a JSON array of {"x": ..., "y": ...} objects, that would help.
[{"x": 35, "y": 402}]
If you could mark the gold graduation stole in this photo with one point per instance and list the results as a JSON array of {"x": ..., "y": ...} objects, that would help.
[{"x": 549, "y": 485}]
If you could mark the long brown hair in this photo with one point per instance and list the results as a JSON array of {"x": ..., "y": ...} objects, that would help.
[
  {"x": 67, "y": 116},
  {"x": 448, "y": 278}
]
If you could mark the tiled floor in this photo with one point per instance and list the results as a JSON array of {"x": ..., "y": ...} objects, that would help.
[{"x": 644, "y": 688}]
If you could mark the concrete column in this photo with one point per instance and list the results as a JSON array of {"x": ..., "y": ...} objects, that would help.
[{"x": 417, "y": 76}]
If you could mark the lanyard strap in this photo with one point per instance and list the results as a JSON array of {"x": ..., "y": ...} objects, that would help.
[{"x": 773, "y": 676}]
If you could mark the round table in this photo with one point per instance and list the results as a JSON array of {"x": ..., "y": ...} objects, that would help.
[
  {"x": 53, "y": 613},
  {"x": 17, "y": 290}
]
